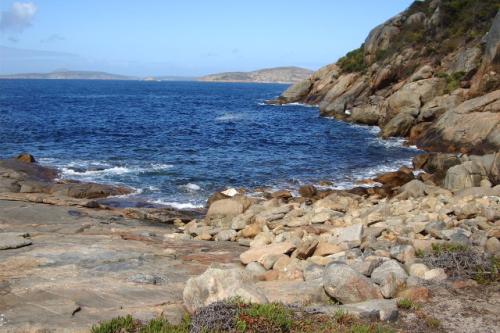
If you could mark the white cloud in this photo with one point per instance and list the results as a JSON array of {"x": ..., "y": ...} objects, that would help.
[{"x": 18, "y": 17}]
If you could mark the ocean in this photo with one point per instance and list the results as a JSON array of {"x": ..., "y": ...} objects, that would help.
[{"x": 176, "y": 143}]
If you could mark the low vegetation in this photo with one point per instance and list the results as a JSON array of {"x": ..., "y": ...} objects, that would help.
[
  {"x": 452, "y": 80},
  {"x": 238, "y": 316},
  {"x": 462, "y": 21},
  {"x": 353, "y": 61},
  {"x": 408, "y": 304},
  {"x": 463, "y": 262}
]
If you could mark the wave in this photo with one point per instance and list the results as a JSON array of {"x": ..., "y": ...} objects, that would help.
[
  {"x": 190, "y": 187},
  {"x": 230, "y": 117},
  {"x": 71, "y": 171},
  {"x": 290, "y": 104},
  {"x": 177, "y": 205}
]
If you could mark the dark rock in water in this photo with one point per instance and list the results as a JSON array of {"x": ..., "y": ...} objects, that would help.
[
  {"x": 87, "y": 190},
  {"x": 29, "y": 171},
  {"x": 25, "y": 157},
  {"x": 33, "y": 178},
  {"x": 308, "y": 191}
]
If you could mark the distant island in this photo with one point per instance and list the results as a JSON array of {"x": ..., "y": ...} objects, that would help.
[
  {"x": 69, "y": 75},
  {"x": 268, "y": 75}
]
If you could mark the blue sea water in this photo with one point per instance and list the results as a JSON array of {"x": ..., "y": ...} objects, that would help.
[{"x": 176, "y": 143}]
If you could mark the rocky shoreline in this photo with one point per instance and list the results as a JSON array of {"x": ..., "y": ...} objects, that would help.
[
  {"x": 426, "y": 235},
  {"x": 364, "y": 248}
]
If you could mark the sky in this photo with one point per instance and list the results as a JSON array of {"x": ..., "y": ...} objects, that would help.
[{"x": 183, "y": 37}]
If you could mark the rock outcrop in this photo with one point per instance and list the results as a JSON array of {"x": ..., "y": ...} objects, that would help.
[{"x": 431, "y": 73}]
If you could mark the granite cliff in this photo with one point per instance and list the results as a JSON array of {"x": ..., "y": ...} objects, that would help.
[{"x": 430, "y": 74}]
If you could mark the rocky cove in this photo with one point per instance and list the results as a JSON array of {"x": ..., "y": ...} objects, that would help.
[{"x": 428, "y": 235}]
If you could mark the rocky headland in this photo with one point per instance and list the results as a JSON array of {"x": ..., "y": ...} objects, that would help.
[
  {"x": 267, "y": 75},
  {"x": 418, "y": 249}
]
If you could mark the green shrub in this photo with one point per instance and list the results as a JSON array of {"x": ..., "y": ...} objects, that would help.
[
  {"x": 452, "y": 83},
  {"x": 276, "y": 313},
  {"x": 441, "y": 248},
  {"x": 407, "y": 304},
  {"x": 462, "y": 21},
  {"x": 115, "y": 325},
  {"x": 162, "y": 325},
  {"x": 353, "y": 61}
]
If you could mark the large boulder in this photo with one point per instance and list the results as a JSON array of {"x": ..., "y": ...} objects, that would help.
[
  {"x": 218, "y": 285},
  {"x": 391, "y": 277},
  {"x": 400, "y": 125},
  {"x": 465, "y": 175},
  {"x": 221, "y": 212},
  {"x": 294, "y": 292},
  {"x": 257, "y": 253},
  {"x": 472, "y": 127},
  {"x": 348, "y": 285},
  {"x": 464, "y": 60},
  {"x": 368, "y": 114},
  {"x": 410, "y": 98},
  {"x": 296, "y": 92},
  {"x": 433, "y": 109},
  {"x": 380, "y": 38},
  {"x": 342, "y": 95}
]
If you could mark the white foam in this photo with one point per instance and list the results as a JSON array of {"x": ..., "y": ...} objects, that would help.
[
  {"x": 177, "y": 205},
  {"x": 111, "y": 171},
  {"x": 191, "y": 187},
  {"x": 301, "y": 104},
  {"x": 229, "y": 117}
]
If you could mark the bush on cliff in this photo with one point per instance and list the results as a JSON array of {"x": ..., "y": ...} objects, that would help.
[
  {"x": 353, "y": 61},
  {"x": 461, "y": 21}
]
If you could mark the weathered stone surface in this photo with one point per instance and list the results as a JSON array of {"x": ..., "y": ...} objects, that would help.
[
  {"x": 297, "y": 91},
  {"x": 13, "y": 240},
  {"x": 226, "y": 207},
  {"x": 255, "y": 254},
  {"x": 400, "y": 125},
  {"x": 436, "y": 274},
  {"x": 98, "y": 261},
  {"x": 306, "y": 249},
  {"x": 294, "y": 292},
  {"x": 384, "y": 310},
  {"x": 418, "y": 270},
  {"x": 347, "y": 285},
  {"x": 225, "y": 235},
  {"x": 324, "y": 249},
  {"x": 351, "y": 234},
  {"x": 413, "y": 189},
  {"x": 390, "y": 276},
  {"x": 412, "y": 96},
  {"x": 471, "y": 127},
  {"x": 468, "y": 174},
  {"x": 220, "y": 284},
  {"x": 403, "y": 253}
]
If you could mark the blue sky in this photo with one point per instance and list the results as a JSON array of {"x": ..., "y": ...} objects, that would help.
[{"x": 188, "y": 37}]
